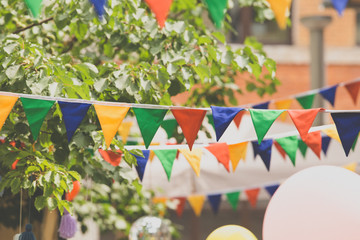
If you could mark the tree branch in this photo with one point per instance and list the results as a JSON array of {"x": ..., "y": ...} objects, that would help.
[{"x": 33, "y": 25}]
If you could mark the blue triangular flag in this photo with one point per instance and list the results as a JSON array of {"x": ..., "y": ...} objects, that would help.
[
  {"x": 271, "y": 189},
  {"x": 264, "y": 105},
  {"x": 73, "y": 114},
  {"x": 264, "y": 150},
  {"x": 141, "y": 163},
  {"x": 325, "y": 141},
  {"x": 329, "y": 94},
  {"x": 339, "y": 5},
  {"x": 214, "y": 201},
  {"x": 99, "y": 6},
  {"x": 222, "y": 118},
  {"x": 348, "y": 127}
]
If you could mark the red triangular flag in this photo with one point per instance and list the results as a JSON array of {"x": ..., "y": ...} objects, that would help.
[
  {"x": 190, "y": 121},
  {"x": 161, "y": 10},
  {"x": 238, "y": 117},
  {"x": 221, "y": 152},
  {"x": 111, "y": 157},
  {"x": 303, "y": 119},
  {"x": 353, "y": 90},
  {"x": 252, "y": 195},
  {"x": 280, "y": 150},
  {"x": 314, "y": 140},
  {"x": 181, "y": 205}
]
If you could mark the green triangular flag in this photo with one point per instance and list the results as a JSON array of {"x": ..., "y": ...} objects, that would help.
[
  {"x": 166, "y": 158},
  {"x": 233, "y": 199},
  {"x": 217, "y": 9},
  {"x": 302, "y": 147},
  {"x": 36, "y": 111},
  {"x": 169, "y": 126},
  {"x": 262, "y": 121},
  {"x": 149, "y": 121},
  {"x": 34, "y": 6},
  {"x": 290, "y": 146},
  {"x": 354, "y": 144},
  {"x": 211, "y": 120},
  {"x": 306, "y": 101}
]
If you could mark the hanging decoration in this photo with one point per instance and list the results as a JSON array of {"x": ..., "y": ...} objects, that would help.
[
  {"x": 290, "y": 146},
  {"x": 141, "y": 163},
  {"x": 124, "y": 130},
  {"x": 214, "y": 200},
  {"x": 221, "y": 152},
  {"x": 68, "y": 225},
  {"x": 339, "y": 5},
  {"x": 99, "y": 6},
  {"x": 280, "y": 9},
  {"x": 114, "y": 158},
  {"x": 6, "y": 105},
  {"x": 69, "y": 196},
  {"x": 196, "y": 202},
  {"x": 34, "y": 7},
  {"x": 264, "y": 150},
  {"x": 329, "y": 94},
  {"x": 233, "y": 199},
  {"x": 167, "y": 158},
  {"x": 252, "y": 195},
  {"x": 161, "y": 10},
  {"x": 217, "y": 9},
  {"x": 303, "y": 120},
  {"x": 262, "y": 120},
  {"x": 222, "y": 117},
  {"x": 237, "y": 152},
  {"x": 193, "y": 157}
]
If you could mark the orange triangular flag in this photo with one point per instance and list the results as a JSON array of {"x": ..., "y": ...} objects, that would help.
[
  {"x": 221, "y": 152},
  {"x": 314, "y": 140},
  {"x": 190, "y": 121},
  {"x": 161, "y": 10},
  {"x": 193, "y": 157},
  {"x": 353, "y": 90},
  {"x": 180, "y": 206},
  {"x": 110, "y": 118},
  {"x": 124, "y": 130},
  {"x": 252, "y": 195},
  {"x": 196, "y": 203},
  {"x": 114, "y": 158},
  {"x": 303, "y": 119},
  {"x": 6, "y": 105},
  {"x": 238, "y": 117},
  {"x": 280, "y": 150},
  {"x": 237, "y": 152},
  {"x": 332, "y": 132},
  {"x": 351, "y": 166},
  {"x": 280, "y": 8},
  {"x": 283, "y": 104}
]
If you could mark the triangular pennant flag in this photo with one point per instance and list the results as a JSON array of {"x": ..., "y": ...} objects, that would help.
[
  {"x": 280, "y": 8},
  {"x": 302, "y": 147},
  {"x": 272, "y": 189},
  {"x": 264, "y": 150},
  {"x": 73, "y": 114},
  {"x": 196, "y": 203},
  {"x": 264, "y": 105},
  {"x": 329, "y": 94},
  {"x": 280, "y": 149},
  {"x": 339, "y": 5},
  {"x": 313, "y": 140},
  {"x": 211, "y": 120},
  {"x": 169, "y": 126},
  {"x": 290, "y": 146},
  {"x": 233, "y": 199},
  {"x": 214, "y": 201},
  {"x": 180, "y": 206},
  {"x": 222, "y": 118},
  {"x": 161, "y": 10},
  {"x": 325, "y": 141},
  {"x": 167, "y": 158},
  {"x": 190, "y": 121},
  {"x": 34, "y": 6},
  {"x": 306, "y": 101},
  {"x": 114, "y": 158},
  {"x": 152, "y": 154},
  {"x": 36, "y": 111},
  {"x": 6, "y": 105},
  {"x": 124, "y": 130},
  {"x": 252, "y": 195},
  {"x": 99, "y": 6},
  {"x": 351, "y": 166},
  {"x": 237, "y": 152},
  {"x": 149, "y": 121},
  {"x": 348, "y": 127},
  {"x": 238, "y": 117},
  {"x": 283, "y": 104},
  {"x": 193, "y": 157},
  {"x": 332, "y": 132},
  {"x": 217, "y": 9},
  {"x": 303, "y": 119},
  {"x": 353, "y": 90},
  {"x": 141, "y": 163},
  {"x": 262, "y": 121},
  {"x": 110, "y": 118},
  {"x": 221, "y": 152}
]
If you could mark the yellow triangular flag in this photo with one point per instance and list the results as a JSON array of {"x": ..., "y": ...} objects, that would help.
[
  {"x": 237, "y": 152},
  {"x": 110, "y": 118},
  {"x": 280, "y": 7},
  {"x": 196, "y": 203},
  {"x": 332, "y": 132},
  {"x": 351, "y": 166},
  {"x": 124, "y": 130},
  {"x": 193, "y": 157},
  {"x": 6, "y": 105},
  {"x": 152, "y": 154},
  {"x": 283, "y": 104}
]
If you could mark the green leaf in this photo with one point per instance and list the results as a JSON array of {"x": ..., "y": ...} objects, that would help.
[
  {"x": 220, "y": 36},
  {"x": 14, "y": 71},
  {"x": 15, "y": 185},
  {"x": 75, "y": 175},
  {"x": 40, "y": 202},
  {"x": 51, "y": 203}
]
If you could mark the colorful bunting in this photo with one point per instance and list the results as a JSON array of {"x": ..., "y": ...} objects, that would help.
[
  {"x": 221, "y": 152},
  {"x": 99, "y": 6},
  {"x": 353, "y": 90},
  {"x": 161, "y": 10},
  {"x": 313, "y": 141},
  {"x": 193, "y": 157},
  {"x": 124, "y": 130},
  {"x": 149, "y": 121},
  {"x": 306, "y": 101},
  {"x": 283, "y": 104},
  {"x": 114, "y": 158},
  {"x": 222, "y": 118},
  {"x": 303, "y": 119},
  {"x": 325, "y": 141},
  {"x": 264, "y": 105},
  {"x": 290, "y": 146},
  {"x": 348, "y": 127},
  {"x": 262, "y": 121},
  {"x": 332, "y": 132},
  {"x": 252, "y": 195},
  {"x": 211, "y": 120},
  {"x": 34, "y": 6},
  {"x": 351, "y": 166},
  {"x": 36, "y": 111},
  {"x": 190, "y": 121},
  {"x": 302, "y": 147},
  {"x": 141, "y": 163},
  {"x": 6, "y": 105},
  {"x": 233, "y": 199},
  {"x": 214, "y": 201},
  {"x": 196, "y": 203},
  {"x": 169, "y": 126},
  {"x": 272, "y": 189},
  {"x": 280, "y": 149},
  {"x": 329, "y": 94},
  {"x": 339, "y": 5},
  {"x": 238, "y": 117},
  {"x": 280, "y": 8},
  {"x": 264, "y": 150},
  {"x": 167, "y": 158},
  {"x": 237, "y": 152},
  {"x": 217, "y": 9},
  {"x": 181, "y": 205},
  {"x": 110, "y": 118}
]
